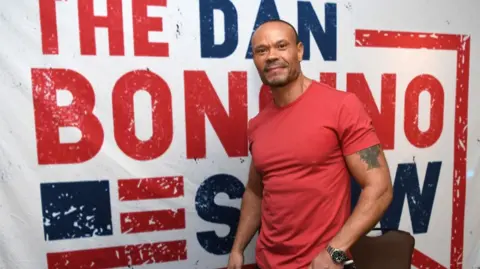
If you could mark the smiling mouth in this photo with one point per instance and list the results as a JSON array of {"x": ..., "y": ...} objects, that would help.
[{"x": 275, "y": 68}]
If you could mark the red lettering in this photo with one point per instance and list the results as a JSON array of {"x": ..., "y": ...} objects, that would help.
[
  {"x": 113, "y": 21},
  {"x": 434, "y": 88},
  {"x": 383, "y": 121},
  {"x": 48, "y": 26},
  {"x": 265, "y": 96},
  {"x": 142, "y": 25},
  {"x": 123, "y": 115},
  {"x": 201, "y": 99},
  {"x": 329, "y": 78},
  {"x": 49, "y": 117}
]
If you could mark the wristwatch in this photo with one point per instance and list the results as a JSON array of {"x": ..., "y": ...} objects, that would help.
[{"x": 338, "y": 256}]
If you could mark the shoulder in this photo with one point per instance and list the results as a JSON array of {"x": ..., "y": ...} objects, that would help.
[
  {"x": 330, "y": 99},
  {"x": 330, "y": 94}
]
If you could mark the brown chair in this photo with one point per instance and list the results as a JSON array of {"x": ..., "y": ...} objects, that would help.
[{"x": 391, "y": 250}]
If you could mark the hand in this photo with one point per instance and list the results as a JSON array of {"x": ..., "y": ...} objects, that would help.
[
  {"x": 235, "y": 261},
  {"x": 324, "y": 261}
]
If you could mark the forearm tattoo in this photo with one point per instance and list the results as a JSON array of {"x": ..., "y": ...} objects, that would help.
[{"x": 370, "y": 156}]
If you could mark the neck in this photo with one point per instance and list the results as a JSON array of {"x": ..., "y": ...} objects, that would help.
[{"x": 283, "y": 96}]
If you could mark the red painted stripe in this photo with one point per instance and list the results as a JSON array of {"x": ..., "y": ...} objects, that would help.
[
  {"x": 150, "y": 221},
  {"x": 150, "y": 188},
  {"x": 421, "y": 260},
  {"x": 459, "y": 176},
  {"x": 405, "y": 40},
  {"x": 120, "y": 256}
]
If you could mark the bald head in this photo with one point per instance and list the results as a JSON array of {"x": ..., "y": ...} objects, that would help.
[
  {"x": 280, "y": 23},
  {"x": 277, "y": 53}
]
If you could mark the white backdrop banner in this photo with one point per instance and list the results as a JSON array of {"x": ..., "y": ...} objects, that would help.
[{"x": 123, "y": 123}]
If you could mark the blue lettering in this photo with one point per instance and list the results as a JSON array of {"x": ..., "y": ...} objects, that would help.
[
  {"x": 420, "y": 203},
  {"x": 267, "y": 11},
  {"x": 207, "y": 39},
  {"x": 209, "y": 211},
  {"x": 326, "y": 39}
]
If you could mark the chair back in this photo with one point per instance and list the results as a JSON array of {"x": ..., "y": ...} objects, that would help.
[{"x": 393, "y": 250}]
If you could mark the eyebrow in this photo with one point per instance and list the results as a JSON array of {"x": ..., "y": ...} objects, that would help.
[{"x": 276, "y": 43}]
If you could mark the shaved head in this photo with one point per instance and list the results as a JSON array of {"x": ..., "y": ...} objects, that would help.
[
  {"x": 277, "y": 53},
  {"x": 297, "y": 40}
]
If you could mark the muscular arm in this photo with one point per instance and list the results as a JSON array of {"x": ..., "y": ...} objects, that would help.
[
  {"x": 250, "y": 211},
  {"x": 370, "y": 169}
]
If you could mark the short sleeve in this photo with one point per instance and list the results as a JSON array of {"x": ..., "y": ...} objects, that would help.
[{"x": 355, "y": 128}]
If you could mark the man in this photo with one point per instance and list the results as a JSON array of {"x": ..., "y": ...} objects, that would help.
[{"x": 304, "y": 146}]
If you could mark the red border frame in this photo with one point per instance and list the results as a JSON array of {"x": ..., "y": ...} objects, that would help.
[{"x": 460, "y": 44}]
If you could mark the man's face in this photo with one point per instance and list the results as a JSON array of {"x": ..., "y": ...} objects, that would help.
[{"x": 276, "y": 54}]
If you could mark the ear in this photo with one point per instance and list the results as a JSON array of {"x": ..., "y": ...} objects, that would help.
[{"x": 300, "y": 51}]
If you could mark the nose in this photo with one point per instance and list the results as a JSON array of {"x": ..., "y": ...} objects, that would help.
[{"x": 272, "y": 55}]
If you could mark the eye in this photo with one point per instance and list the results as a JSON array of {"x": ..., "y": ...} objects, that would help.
[
  {"x": 282, "y": 46},
  {"x": 260, "y": 50}
]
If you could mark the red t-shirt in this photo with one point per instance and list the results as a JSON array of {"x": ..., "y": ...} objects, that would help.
[{"x": 299, "y": 150}]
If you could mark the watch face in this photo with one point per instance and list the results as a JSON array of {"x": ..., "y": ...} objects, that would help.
[{"x": 338, "y": 256}]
